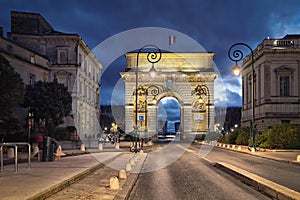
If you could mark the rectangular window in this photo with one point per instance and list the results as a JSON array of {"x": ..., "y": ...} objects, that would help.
[
  {"x": 284, "y": 84},
  {"x": 62, "y": 56},
  {"x": 285, "y": 121}
]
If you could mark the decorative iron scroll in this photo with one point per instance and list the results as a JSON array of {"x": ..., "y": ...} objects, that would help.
[{"x": 200, "y": 90}]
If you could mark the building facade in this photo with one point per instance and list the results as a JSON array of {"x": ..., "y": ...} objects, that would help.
[
  {"x": 277, "y": 84},
  {"x": 51, "y": 54},
  {"x": 187, "y": 77}
]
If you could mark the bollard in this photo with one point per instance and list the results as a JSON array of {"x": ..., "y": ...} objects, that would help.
[
  {"x": 59, "y": 153},
  {"x": 114, "y": 183},
  {"x": 35, "y": 150},
  {"x": 128, "y": 167},
  {"x": 233, "y": 146},
  {"x": 131, "y": 161},
  {"x": 10, "y": 153},
  {"x": 100, "y": 146},
  {"x": 122, "y": 174},
  {"x": 82, "y": 147},
  {"x": 298, "y": 158},
  {"x": 141, "y": 151},
  {"x": 239, "y": 148},
  {"x": 117, "y": 145}
]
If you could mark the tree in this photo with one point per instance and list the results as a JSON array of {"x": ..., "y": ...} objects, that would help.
[
  {"x": 49, "y": 102},
  {"x": 11, "y": 87}
]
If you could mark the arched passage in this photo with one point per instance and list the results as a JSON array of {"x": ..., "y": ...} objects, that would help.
[{"x": 168, "y": 119}]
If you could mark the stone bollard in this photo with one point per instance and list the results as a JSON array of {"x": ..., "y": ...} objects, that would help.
[
  {"x": 239, "y": 148},
  {"x": 59, "y": 153},
  {"x": 114, "y": 183},
  {"x": 128, "y": 167},
  {"x": 131, "y": 161},
  {"x": 122, "y": 174},
  {"x": 298, "y": 158},
  {"x": 233, "y": 146},
  {"x": 100, "y": 146},
  {"x": 224, "y": 145},
  {"x": 141, "y": 151},
  {"x": 82, "y": 147},
  {"x": 117, "y": 145},
  {"x": 11, "y": 153},
  {"x": 35, "y": 150}
]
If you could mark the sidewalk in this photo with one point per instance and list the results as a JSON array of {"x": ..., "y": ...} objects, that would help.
[
  {"x": 45, "y": 177},
  {"x": 277, "y": 185},
  {"x": 289, "y": 156}
]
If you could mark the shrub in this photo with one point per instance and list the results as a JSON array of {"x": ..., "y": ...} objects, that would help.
[
  {"x": 231, "y": 137},
  {"x": 284, "y": 136},
  {"x": 228, "y": 138},
  {"x": 242, "y": 136}
]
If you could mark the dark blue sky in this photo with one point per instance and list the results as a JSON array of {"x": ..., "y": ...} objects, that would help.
[{"x": 215, "y": 24}]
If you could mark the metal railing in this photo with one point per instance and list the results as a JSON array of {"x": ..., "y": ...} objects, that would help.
[{"x": 15, "y": 145}]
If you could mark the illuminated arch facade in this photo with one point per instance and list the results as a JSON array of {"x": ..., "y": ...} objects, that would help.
[{"x": 188, "y": 77}]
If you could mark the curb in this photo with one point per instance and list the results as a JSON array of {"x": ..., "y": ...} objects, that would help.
[
  {"x": 129, "y": 184},
  {"x": 261, "y": 184},
  {"x": 249, "y": 153},
  {"x": 60, "y": 186}
]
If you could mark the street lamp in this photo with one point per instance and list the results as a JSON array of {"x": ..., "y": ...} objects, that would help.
[
  {"x": 152, "y": 57},
  {"x": 30, "y": 124},
  {"x": 237, "y": 55}
]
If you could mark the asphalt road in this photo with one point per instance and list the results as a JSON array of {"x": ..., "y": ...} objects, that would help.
[
  {"x": 179, "y": 171},
  {"x": 187, "y": 177},
  {"x": 282, "y": 173}
]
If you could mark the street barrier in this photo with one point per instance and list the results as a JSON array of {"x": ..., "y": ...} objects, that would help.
[{"x": 15, "y": 145}]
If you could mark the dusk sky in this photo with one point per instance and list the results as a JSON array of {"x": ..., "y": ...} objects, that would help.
[{"x": 215, "y": 24}]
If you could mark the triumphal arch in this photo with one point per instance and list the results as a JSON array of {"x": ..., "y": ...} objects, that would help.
[{"x": 188, "y": 77}]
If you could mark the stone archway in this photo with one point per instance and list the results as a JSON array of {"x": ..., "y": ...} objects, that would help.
[{"x": 188, "y": 77}]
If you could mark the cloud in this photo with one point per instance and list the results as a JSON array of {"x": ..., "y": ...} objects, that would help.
[
  {"x": 216, "y": 25},
  {"x": 169, "y": 109},
  {"x": 233, "y": 99}
]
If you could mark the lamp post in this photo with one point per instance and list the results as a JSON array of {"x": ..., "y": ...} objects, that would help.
[
  {"x": 30, "y": 124},
  {"x": 237, "y": 55},
  {"x": 152, "y": 57}
]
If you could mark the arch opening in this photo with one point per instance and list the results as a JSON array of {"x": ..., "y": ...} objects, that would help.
[{"x": 168, "y": 119}]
